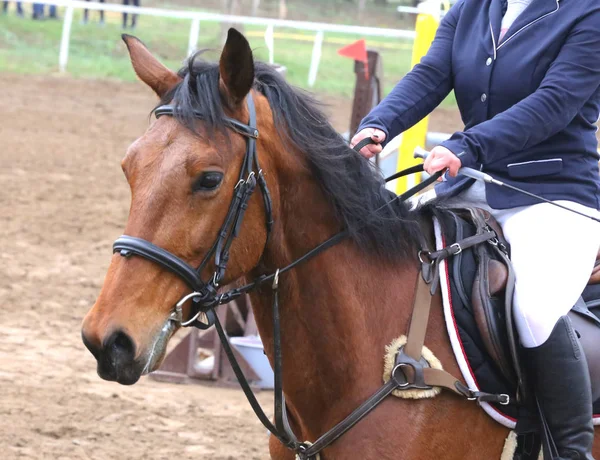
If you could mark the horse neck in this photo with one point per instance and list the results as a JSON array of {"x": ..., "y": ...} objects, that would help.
[{"x": 338, "y": 310}]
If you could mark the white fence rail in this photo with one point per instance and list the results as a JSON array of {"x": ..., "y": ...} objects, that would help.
[{"x": 196, "y": 17}]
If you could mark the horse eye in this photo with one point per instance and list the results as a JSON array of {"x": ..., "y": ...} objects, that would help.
[{"x": 207, "y": 181}]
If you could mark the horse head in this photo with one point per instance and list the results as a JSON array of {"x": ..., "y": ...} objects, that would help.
[
  {"x": 182, "y": 173},
  {"x": 193, "y": 211}
]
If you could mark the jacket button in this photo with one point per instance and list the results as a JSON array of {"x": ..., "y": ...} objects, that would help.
[
  {"x": 489, "y": 61},
  {"x": 483, "y": 97}
]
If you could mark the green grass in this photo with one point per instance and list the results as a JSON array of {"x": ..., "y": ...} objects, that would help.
[{"x": 32, "y": 47}]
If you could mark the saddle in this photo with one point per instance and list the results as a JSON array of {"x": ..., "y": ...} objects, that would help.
[{"x": 480, "y": 288}]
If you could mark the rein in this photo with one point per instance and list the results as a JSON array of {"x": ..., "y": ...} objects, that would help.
[{"x": 205, "y": 296}]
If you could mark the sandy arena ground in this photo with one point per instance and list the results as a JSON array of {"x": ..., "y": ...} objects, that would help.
[{"x": 63, "y": 200}]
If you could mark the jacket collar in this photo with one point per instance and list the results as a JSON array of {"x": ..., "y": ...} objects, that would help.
[
  {"x": 534, "y": 12},
  {"x": 495, "y": 15}
]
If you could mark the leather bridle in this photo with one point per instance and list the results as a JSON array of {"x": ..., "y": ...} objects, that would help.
[
  {"x": 205, "y": 293},
  {"x": 205, "y": 296}
]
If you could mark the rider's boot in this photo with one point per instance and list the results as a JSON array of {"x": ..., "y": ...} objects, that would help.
[{"x": 561, "y": 381}]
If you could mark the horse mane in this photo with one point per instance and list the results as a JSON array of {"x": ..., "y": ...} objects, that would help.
[{"x": 353, "y": 186}]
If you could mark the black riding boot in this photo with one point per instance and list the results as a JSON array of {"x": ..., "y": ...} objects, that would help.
[{"x": 561, "y": 380}]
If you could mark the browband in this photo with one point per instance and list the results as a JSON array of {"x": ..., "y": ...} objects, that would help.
[{"x": 232, "y": 123}]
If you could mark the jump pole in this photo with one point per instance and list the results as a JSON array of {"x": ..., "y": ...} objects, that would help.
[{"x": 426, "y": 26}]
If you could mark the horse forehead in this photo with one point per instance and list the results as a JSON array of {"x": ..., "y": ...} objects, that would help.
[
  {"x": 162, "y": 144},
  {"x": 167, "y": 148}
]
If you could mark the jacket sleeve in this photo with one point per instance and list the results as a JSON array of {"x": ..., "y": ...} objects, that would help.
[
  {"x": 423, "y": 88},
  {"x": 570, "y": 81}
]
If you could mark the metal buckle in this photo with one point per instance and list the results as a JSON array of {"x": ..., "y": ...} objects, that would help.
[
  {"x": 302, "y": 448},
  {"x": 505, "y": 399},
  {"x": 455, "y": 249},
  {"x": 276, "y": 280},
  {"x": 494, "y": 241}
]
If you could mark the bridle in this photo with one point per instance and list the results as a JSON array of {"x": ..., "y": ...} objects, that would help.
[
  {"x": 205, "y": 293},
  {"x": 205, "y": 296}
]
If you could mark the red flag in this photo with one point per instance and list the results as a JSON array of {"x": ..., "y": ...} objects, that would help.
[{"x": 358, "y": 52}]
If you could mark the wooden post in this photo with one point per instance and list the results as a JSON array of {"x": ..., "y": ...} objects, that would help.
[{"x": 367, "y": 92}]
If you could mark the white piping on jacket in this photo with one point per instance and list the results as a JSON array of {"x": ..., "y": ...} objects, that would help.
[
  {"x": 534, "y": 161},
  {"x": 493, "y": 40},
  {"x": 527, "y": 25}
]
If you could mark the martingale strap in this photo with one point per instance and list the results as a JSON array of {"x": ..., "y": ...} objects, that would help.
[{"x": 408, "y": 373}]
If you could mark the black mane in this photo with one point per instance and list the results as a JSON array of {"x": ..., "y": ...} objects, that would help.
[{"x": 355, "y": 189}]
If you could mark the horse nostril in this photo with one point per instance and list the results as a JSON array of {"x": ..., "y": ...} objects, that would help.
[
  {"x": 94, "y": 349},
  {"x": 120, "y": 346}
]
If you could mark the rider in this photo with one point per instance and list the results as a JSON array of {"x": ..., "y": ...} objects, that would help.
[{"x": 526, "y": 75}]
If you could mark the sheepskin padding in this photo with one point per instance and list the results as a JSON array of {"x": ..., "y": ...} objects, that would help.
[
  {"x": 389, "y": 360},
  {"x": 510, "y": 446}
]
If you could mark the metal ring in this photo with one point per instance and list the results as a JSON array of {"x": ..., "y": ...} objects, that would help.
[
  {"x": 401, "y": 365},
  {"x": 180, "y": 312},
  {"x": 192, "y": 319},
  {"x": 187, "y": 297},
  {"x": 420, "y": 255}
]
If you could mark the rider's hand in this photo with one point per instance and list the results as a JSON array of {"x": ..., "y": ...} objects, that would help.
[
  {"x": 441, "y": 158},
  {"x": 372, "y": 149}
]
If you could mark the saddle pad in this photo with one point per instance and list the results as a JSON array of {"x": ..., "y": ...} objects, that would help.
[{"x": 477, "y": 368}]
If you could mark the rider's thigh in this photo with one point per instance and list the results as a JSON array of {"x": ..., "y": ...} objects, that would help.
[{"x": 553, "y": 253}]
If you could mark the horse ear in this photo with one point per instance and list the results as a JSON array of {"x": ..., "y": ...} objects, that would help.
[
  {"x": 148, "y": 68},
  {"x": 236, "y": 67}
]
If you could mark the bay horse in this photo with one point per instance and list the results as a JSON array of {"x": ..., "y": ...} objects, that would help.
[{"x": 339, "y": 309}]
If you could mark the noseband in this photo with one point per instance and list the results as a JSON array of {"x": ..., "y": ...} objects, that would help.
[{"x": 205, "y": 294}]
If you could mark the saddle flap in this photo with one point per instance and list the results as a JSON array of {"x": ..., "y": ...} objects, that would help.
[
  {"x": 480, "y": 277},
  {"x": 487, "y": 300}
]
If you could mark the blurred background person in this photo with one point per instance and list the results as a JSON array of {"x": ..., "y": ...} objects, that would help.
[
  {"x": 133, "y": 16},
  {"x": 19, "y": 8},
  {"x": 38, "y": 11},
  {"x": 86, "y": 11}
]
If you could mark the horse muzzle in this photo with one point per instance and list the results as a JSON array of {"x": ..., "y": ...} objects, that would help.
[{"x": 116, "y": 358}]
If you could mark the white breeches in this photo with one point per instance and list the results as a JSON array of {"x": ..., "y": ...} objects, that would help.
[{"x": 553, "y": 253}]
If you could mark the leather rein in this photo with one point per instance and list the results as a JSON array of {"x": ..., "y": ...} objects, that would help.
[{"x": 205, "y": 296}]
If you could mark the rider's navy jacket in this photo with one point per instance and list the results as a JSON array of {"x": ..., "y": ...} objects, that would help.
[{"x": 529, "y": 101}]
